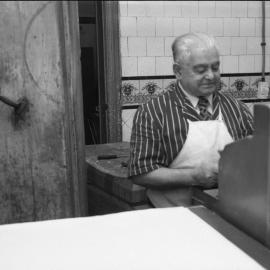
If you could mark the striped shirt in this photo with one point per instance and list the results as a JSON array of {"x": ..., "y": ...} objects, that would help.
[{"x": 160, "y": 127}]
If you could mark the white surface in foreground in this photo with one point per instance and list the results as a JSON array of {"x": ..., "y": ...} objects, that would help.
[{"x": 168, "y": 238}]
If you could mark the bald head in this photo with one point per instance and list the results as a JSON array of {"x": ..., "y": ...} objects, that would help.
[{"x": 183, "y": 46}]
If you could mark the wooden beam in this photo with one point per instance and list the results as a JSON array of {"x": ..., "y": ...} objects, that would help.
[
  {"x": 108, "y": 18},
  {"x": 42, "y": 168}
]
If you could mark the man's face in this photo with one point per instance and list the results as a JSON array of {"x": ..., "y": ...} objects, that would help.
[{"x": 200, "y": 74}]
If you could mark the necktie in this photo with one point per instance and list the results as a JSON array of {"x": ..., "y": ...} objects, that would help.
[{"x": 202, "y": 105}]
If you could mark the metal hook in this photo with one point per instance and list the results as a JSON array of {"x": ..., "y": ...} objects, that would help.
[
  {"x": 9, "y": 102},
  {"x": 19, "y": 107}
]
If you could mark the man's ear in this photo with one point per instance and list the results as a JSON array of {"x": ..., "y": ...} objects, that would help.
[{"x": 177, "y": 71}]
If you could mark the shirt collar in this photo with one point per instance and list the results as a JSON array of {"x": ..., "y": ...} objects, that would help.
[{"x": 193, "y": 99}]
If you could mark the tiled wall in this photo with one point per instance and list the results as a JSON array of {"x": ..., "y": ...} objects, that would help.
[{"x": 148, "y": 28}]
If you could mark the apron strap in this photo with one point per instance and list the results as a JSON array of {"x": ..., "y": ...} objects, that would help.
[{"x": 220, "y": 114}]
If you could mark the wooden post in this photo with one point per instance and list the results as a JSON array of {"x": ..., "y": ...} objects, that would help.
[
  {"x": 109, "y": 69},
  {"x": 42, "y": 163}
]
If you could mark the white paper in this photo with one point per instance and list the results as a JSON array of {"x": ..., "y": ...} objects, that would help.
[{"x": 168, "y": 238}]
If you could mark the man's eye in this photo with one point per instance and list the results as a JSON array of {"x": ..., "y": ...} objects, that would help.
[
  {"x": 215, "y": 68},
  {"x": 200, "y": 70}
]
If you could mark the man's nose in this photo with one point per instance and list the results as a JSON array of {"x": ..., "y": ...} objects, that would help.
[{"x": 209, "y": 74}]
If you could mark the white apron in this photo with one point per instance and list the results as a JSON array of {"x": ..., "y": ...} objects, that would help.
[{"x": 201, "y": 149}]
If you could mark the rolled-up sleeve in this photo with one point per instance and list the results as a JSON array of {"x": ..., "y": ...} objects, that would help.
[{"x": 146, "y": 150}]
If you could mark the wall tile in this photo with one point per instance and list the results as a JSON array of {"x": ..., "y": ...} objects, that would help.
[
  {"x": 223, "y": 9},
  {"x": 267, "y": 27},
  {"x": 135, "y": 84},
  {"x": 123, "y": 8},
  {"x": 136, "y": 46},
  {"x": 232, "y": 83},
  {"x": 253, "y": 81},
  {"x": 221, "y": 64},
  {"x": 164, "y": 27},
  {"x": 128, "y": 26},
  {"x": 258, "y": 27},
  {"x": 190, "y": 8},
  {"x": 167, "y": 83},
  {"x": 215, "y": 26},
  {"x": 246, "y": 63},
  {"x": 154, "y": 8},
  {"x": 267, "y": 79},
  {"x": 151, "y": 87},
  {"x": 146, "y": 27},
  {"x": 225, "y": 83},
  {"x": 224, "y": 45},
  {"x": 129, "y": 66},
  {"x": 267, "y": 64},
  {"x": 207, "y": 8},
  {"x": 198, "y": 25},
  {"x": 136, "y": 8},
  {"x": 164, "y": 66},
  {"x": 180, "y": 26},
  {"x": 238, "y": 45},
  {"x": 172, "y": 8},
  {"x": 230, "y": 64},
  {"x": 239, "y": 9},
  {"x": 129, "y": 89},
  {"x": 231, "y": 27},
  {"x": 253, "y": 45},
  {"x": 257, "y": 63},
  {"x": 254, "y": 8},
  {"x": 239, "y": 83},
  {"x": 267, "y": 47},
  {"x": 146, "y": 66},
  {"x": 247, "y": 27},
  {"x": 124, "y": 46},
  {"x": 168, "y": 46},
  {"x": 155, "y": 46},
  {"x": 127, "y": 122},
  {"x": 267, "y": 9}
]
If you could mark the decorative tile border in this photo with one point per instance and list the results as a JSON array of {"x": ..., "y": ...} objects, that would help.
[{"x": 244, "y": 86}]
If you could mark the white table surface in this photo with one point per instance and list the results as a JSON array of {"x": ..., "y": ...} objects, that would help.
[{"x": 168, "y": 238}]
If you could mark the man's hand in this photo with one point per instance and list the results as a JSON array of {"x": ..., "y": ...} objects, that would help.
[
  {"x": 206, "y": 175},
  {"x": 206, "y": 182}
]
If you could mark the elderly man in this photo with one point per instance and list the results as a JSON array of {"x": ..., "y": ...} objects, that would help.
[{"x": 176, "y": 138}]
